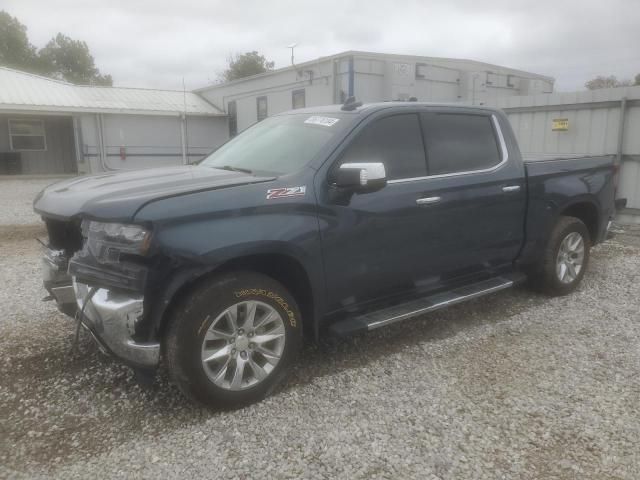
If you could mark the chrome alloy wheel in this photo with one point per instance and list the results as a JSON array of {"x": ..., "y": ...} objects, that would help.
[
  {"x": 243, "y": 345},
  {"x": 570, "y": 257}
]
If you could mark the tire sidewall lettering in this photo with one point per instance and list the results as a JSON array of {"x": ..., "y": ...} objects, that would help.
[{"x": 261, "y": 292}]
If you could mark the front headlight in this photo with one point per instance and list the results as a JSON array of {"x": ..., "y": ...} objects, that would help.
[{"x": 108, "y": 241}]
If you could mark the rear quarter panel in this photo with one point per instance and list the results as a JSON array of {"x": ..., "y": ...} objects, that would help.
[{"x": 556, "y": 185}]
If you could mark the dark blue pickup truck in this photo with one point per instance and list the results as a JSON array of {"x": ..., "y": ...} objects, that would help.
[{"x": 325, "y": 221}]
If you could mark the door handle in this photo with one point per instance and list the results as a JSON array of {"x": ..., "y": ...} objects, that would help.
[
  {"x": 511, "y": 188},
  {"x": 428, "y": 200}
]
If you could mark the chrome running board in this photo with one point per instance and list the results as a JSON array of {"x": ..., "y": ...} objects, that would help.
[{"x": 430, "y": 303}]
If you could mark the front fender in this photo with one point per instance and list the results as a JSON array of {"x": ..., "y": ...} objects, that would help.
[
  {"x": 196, "y": 234},
  {"x": 194, "y": 249}
]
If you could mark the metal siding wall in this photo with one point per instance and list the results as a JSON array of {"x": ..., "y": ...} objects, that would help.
[
  {"x": 632, "y": 130},
  {"x": 205, "y": 134},
  {"x": 629, "y": 183},
  {"x": 247, "y": 111},
  {"x": 591, "y": 132},
  {"x": 369, "y": 87},
  {"x": 437, "y": 84},
  {"x": 278, "y": 102},
  {"x": 318, "y": 94},
  {"x": 630, "y": 175},
  {"x": 150, "y": 141}
]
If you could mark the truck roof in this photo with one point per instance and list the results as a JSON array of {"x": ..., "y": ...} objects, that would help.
[{"x": 372, "y": 107}]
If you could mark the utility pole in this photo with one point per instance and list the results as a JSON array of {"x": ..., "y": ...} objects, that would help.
[
  {"x": 473, "y": 89},
  {"x": 292, "y": 46}
]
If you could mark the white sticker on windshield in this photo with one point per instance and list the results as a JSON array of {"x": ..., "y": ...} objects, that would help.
[{"x": 324, "y": 121}]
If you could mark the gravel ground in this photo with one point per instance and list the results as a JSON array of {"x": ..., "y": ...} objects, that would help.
[
  {"x": 515, "y": 385},
  {"x": 16, "y": 198}
]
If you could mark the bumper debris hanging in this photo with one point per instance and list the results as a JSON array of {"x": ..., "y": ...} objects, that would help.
[{"x": 56, "y": 280}]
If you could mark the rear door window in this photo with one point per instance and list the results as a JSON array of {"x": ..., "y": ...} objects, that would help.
[
  {"x": 395, "y": 141},
  {"x": 459, "y": 142}
]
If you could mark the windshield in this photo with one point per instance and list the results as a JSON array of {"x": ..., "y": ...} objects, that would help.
[{"x": 277, "y": 145}]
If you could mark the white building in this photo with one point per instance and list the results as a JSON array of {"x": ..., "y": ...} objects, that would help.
[
  {"x": 53, "y": 127},
  {"x": 370, "y": 77}
]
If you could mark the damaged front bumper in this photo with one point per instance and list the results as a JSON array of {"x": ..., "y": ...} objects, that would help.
[{"x": 110, "y": 315}]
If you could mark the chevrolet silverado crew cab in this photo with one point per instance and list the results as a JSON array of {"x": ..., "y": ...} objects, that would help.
[{"x": 320, "y": 221}]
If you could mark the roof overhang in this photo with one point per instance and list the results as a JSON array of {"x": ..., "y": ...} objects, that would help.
[{"x": 57, "y": 110}]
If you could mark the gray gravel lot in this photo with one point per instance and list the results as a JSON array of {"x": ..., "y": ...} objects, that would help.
[
  {"x": 16, "y": 198},
  {"x": 515, "y": 385}
]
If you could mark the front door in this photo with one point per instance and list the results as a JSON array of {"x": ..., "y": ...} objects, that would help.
[{"x": 373, "y": 243}]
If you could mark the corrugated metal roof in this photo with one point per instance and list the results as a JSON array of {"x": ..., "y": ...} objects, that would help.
[{"x": 25, "y": 91}]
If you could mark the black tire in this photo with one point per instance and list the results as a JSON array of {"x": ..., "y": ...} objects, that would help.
[
  {"x": 189, "y": 324},
  {"x": 544, "y": 276}
]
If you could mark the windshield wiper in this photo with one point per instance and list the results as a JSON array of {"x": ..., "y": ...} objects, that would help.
[{"x": 235, "y": 169}]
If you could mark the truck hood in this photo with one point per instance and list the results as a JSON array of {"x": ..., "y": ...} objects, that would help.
[{"x": 118, "y": 196}]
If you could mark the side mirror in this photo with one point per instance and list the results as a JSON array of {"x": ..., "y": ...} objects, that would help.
[{"x": 362, "y": 177}]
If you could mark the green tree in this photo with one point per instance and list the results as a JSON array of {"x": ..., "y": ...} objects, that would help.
[
  {"x": 245, "y": 65},
  {"x": 70, "y": 60},
  {"x": 62, "y": 58},
  {"x": 15, "y": 49},
  {"x": 637, "y": 80}
]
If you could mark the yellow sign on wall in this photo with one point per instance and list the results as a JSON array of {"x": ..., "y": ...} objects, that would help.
[{"x": 560, "y": 125}]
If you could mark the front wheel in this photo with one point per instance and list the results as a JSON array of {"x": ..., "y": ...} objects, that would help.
[
  {"x": 565, "y": 258},
  {"x": 232, "y": 341}
]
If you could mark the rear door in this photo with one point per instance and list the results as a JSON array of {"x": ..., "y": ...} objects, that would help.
[{"x": 478, "y": 194}]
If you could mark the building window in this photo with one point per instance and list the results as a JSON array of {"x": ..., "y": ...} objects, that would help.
[
  {"x": 233, "y": 118},
  {"x": 261, "y": 105},
  {"x": 27, "y": 135},
  {"x": 297, "y": 99}
]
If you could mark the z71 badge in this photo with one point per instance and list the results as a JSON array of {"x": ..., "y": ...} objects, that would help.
[{"x": 286, "y": 192}]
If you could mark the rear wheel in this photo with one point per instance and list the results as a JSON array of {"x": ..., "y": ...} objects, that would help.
[
  {"x": 565, "y": 258},
  {"x": 232, "y": 341}
]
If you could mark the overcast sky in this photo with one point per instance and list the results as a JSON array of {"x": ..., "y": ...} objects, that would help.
[{"x": 155, "y": 43}]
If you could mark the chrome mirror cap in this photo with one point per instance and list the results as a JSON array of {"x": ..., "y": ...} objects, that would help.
[{"x": 369, "y": 173}]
